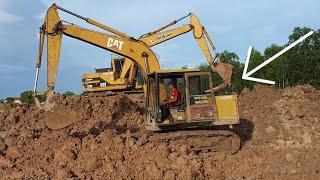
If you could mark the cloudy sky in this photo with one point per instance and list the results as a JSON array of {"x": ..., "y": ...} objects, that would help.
[{"x": 232, "y": 25}]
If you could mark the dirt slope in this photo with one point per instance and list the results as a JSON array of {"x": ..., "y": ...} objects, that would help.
[{"x": 279, "y": 131}]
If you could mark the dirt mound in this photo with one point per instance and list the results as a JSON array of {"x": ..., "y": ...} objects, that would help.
[
  {"x": 279, "y": 131},
  {"x": 285, "y": 134}
]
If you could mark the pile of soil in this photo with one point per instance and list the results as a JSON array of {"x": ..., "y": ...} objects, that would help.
[{"x": 279, "y": 131}]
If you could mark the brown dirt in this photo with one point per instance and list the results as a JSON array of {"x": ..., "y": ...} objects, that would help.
[{"x": 279, "y": 131}]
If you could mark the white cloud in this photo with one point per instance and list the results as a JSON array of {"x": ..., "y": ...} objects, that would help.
[
  {"x": 7, "y": 68},
  {"x": 6, "y": 17},
  {"x": 40, "y": 16},
  {"x": 220, "y": 29},
  {"x": 46, "y": 2},
  {"x": 266, "y": 30}
]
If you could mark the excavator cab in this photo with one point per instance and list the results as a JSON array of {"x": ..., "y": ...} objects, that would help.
[
  {"x": 199, "y": 106},
  {"x": 117, "y": 64}
]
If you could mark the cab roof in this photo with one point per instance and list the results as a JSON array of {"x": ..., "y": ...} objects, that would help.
[{"x": 164, "y": 71}]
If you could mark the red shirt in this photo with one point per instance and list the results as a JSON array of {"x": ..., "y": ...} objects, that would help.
[{"x": 174, "y": 94}]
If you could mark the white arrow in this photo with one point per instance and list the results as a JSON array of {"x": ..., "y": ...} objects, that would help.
[{"x": 246, "y": 75}]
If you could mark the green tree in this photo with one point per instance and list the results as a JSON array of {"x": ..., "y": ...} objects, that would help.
[
  {"x": 9, "y": 100},
  {"x": 69, "y": 93},
  {"x": 304, "y": 65},
  {"x": 26, "y": 97},
  {"x": 277, "y": 70},
  {"x": 228, "y": 57},
  {"x": 185, "y": 67},
  {"x": 300, "y": 65},
  {"x": 42, "y": 97},
  {"x": 85, "y": 94}
]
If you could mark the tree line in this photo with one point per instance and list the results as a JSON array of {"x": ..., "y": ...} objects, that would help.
[
  {"x": 27, "y": 97},
  {"x": 300, "y": 65}
]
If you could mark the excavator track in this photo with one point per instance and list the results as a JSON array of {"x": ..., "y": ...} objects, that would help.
[{"x": 199, "y": 141}]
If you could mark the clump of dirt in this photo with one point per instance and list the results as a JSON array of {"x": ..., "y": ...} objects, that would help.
[{"x": 279, "y": 131}]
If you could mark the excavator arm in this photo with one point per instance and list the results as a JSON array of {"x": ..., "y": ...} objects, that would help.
[
  {"x": 200, "y": 34},
  {"x": 161, "y": 37},
  {"x": 54, "y": 29}
]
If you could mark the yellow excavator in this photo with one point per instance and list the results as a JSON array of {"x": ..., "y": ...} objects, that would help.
[
  {"x": 124, "y": 74},
  {"x": 200, "y": 107}
]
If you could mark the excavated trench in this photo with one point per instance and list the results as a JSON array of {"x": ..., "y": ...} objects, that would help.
[{"x": 279, "y": 134}]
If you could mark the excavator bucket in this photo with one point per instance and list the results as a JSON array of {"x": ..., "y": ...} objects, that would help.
[
  {"x": 225, "y": 71},
  {"x": 57, "y": 116},
  {"x": 60, "y": 117}
]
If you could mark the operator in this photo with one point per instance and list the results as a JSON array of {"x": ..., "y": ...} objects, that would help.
[{"x": 172, "y": 101}]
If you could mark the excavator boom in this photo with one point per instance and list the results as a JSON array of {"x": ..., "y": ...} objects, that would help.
[{"x": 53, "y": 29}]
